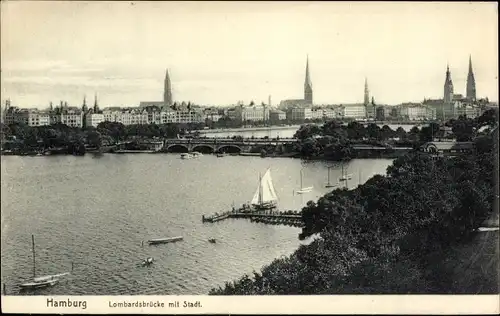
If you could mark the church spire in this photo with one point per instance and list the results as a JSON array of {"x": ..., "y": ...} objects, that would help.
[
  {"x": 84, "y": 105},
  {"x": 96, "y": 105},
  {"x": 471, "y": 83},
  {"x": 367, "y": 93},
  {"x": 448, "y": 86},
  {"x": 167, "y": 92},
  {"x": 308, "y": 92}
]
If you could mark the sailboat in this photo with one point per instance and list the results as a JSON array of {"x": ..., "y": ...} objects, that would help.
[
  {"x": 328, "y": 184},
  {"x": 345, "y": 176},
  {"x": 43, "y": 281},
  {"x": 265, "y": 196},
  {"x": 302, "y": 189}
]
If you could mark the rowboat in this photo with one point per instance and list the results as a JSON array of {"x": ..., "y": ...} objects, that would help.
[{"x": 164, "y": 240}]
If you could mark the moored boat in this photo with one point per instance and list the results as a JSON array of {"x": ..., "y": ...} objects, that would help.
[
  {"x": 186, "y": 156},
  {"x": 303, "y": 189},
  {"x": 265, "y": 197},
  {"x": 164, "y": 240},
  {"x": 43, "y": 281}
]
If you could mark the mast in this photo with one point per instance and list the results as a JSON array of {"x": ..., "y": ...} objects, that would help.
[
  {"x": 329, "y": 175},
  {"x": 301, "y": 179},
  {"x": 260, "y": 189},
  {"x": 33, "y": 244}
]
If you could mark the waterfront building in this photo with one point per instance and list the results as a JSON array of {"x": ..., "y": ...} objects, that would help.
[
  {"x": 94, "y": 119},
  {"x": 354, "y": 111},
  {"x": 329, "y": 113},
  {"x": 252, "y": 113},
  {"x": 317, "y": 114},
  {"x": 380, "y": 113},
  {"x": 213, "y": 114},
  {"x": 299, "y": 114},
  {"x": 276, "y": 116},
  {"x": 417, "y": 112},
  {"x": 468, "y": 109}
]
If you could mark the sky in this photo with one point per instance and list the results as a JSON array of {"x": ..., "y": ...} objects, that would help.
[{"x": 219, "y": 53}]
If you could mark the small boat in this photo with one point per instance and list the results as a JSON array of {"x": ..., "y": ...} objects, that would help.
[
  {"x": 328, "y": 184},
  {"x": 39, "y": 284},
  {"x": 164, "y": 240},
  {"x": 303, "y": 189},
  {"x": 196, "y": 154},
  {"x": 345, "y": 176},
  {"x": 148, "y": 261},
  {"x": 186, "y": 156},
  {"x": 212, "y": 240},
  {"x": 43, "y": 281},
  {"x": 265, "y": 197},
  {"x": 221, "y": 155}
]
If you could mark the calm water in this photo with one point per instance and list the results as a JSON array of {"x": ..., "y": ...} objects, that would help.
[
  {"x": 96, "y": 211},
  {"x": 283, "y": 133}
]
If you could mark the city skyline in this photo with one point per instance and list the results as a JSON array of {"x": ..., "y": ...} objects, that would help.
[{"x": 220, "y": 53}]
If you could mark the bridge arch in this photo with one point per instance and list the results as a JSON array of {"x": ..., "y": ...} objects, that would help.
[
  {"x": 229, "y": 149},
  {"x": 205, "y": 149},
  {"x": 177, "y": 148}
]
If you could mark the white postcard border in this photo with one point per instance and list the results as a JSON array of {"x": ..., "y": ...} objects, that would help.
[{"x": 290, "y": 304}]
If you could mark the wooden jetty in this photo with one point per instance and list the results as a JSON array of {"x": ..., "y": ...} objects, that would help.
[{"x": 274, "y": 218}]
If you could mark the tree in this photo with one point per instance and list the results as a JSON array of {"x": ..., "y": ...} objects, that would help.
[
  {"x": 463, "y": 128},
  {"x": 373, "y": 131},
  {"x": 386, "y": 132},
  {"x": 427, "y": 133},
  {"x": 94, "y": 139},
  {"x": 401, "y": 133}
]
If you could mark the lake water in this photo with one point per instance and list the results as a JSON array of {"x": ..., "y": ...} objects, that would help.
[
  {"x": 95, "y": 211},
  {"x": 274, "y": 132}
]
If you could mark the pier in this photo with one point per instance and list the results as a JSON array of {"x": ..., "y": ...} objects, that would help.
[{"x": 290, "y": 218}]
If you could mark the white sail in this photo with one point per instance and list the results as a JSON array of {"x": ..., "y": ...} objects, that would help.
[{"x": 265, "y": 192}]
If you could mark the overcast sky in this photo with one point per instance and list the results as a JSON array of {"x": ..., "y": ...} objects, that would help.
[{"x": 219, "y": 53}]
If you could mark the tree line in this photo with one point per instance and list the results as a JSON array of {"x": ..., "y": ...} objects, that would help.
[{"x": 334, "y": 140}]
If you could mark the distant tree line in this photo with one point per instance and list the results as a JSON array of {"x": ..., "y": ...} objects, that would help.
[
  {"x": 333, "y": 140},
  {"x": 24, "y": 138}
]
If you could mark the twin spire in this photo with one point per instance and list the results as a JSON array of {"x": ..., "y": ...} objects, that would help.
[{"x": 470, "y": 88}]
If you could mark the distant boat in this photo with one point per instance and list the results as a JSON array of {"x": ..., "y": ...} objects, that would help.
[
  {"x": 196, "y": 154},
  {"x": 221, "y": 154},
  {"x": 186, "y": 156},
  {"x": 43, "y": 281},
  {"x": 212, "y": 240},
  {"x": 148, "y": 261},
  {"x": 345, "y": 176},
  {"x": 328, "y": 184},
  {"x": 164, "y": 240},
  {"x": 302, "y": 189},
  {"x": 265, "y": 196}
]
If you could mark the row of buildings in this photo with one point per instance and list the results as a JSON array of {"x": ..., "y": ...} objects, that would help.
[
  {"x": 187, "y": 113},
  {"x": 291, "y": 110}
]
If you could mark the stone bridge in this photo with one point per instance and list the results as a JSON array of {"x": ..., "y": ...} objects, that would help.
[{"x": 211, "y": 145}]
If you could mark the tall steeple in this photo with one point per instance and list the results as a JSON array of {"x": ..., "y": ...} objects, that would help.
[
  {"x": 367, "y": 93},
  {"x": 448, "y": 87},
  {"x": 96, "y": 106},
  {"x": 308, "y": 91},
  {"x": 84, "y": 105},
  {"x": 167, "y": 92},
  {"x": 471, "y": 83}
]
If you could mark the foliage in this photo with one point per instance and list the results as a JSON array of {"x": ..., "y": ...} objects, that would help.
[{"x": 374, "y": 239}]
